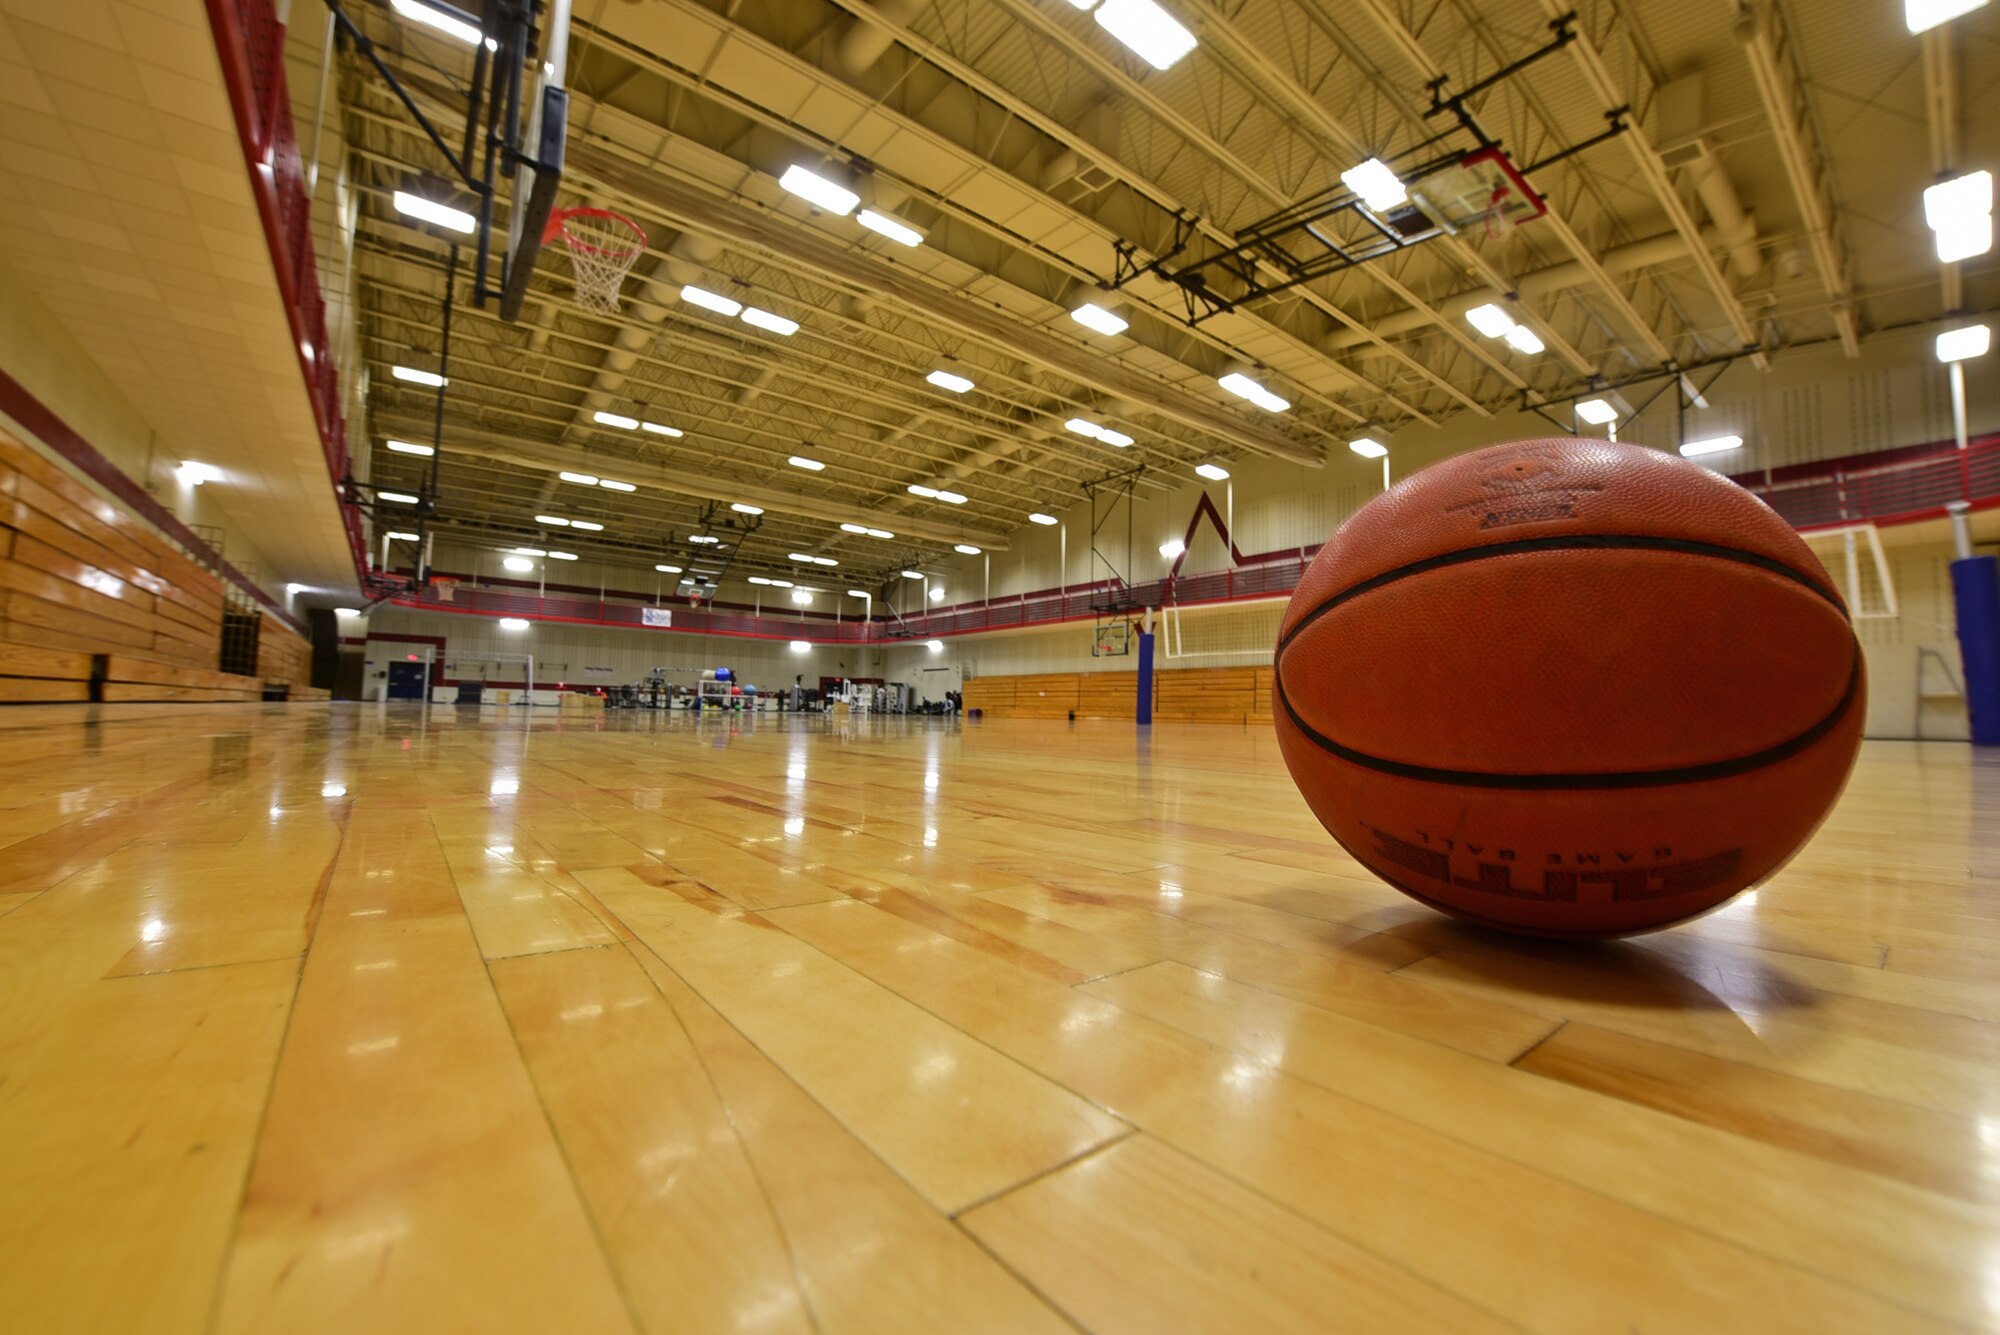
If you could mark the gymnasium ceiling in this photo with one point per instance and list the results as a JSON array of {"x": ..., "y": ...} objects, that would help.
[{"x": 1766, "y": 196}]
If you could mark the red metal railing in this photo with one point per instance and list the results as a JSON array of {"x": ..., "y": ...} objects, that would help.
[
  {"x": 1864, "y": 488},
  {"x": 251, "y": 43}
]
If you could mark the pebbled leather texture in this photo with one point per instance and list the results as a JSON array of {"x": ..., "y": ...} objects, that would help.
[{"x": 1729, "y": 643}]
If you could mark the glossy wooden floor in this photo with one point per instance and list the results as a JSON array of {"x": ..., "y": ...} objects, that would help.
[{"x": 394, "y": 1019}]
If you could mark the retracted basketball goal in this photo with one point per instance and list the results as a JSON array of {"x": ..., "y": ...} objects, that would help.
[{"x": 1864, "y": 580}]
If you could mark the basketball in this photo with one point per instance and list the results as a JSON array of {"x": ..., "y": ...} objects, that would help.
[{"x": 1568, "y": 687}]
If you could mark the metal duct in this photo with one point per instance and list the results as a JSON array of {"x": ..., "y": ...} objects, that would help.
[
  {"x": 866, "y": 42},
  {"x": 1733, "y": 224}
]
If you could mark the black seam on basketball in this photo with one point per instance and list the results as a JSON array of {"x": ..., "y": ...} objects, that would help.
[
  {"x": 1585, "y": 542},
  {"x": 1653, "y": 778}
]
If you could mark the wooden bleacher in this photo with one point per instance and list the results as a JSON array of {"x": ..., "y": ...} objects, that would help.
[
  {"x": 94, "y": 604},
  {"x": 1239, "y": 695}
]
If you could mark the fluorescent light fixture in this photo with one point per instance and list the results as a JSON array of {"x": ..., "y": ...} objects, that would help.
[
  {"x": 659, "y": 430},
  {"x": 589, "y": 526},
  {"x": 443, "y": 22},
  {"x": 801, "y": 647},
  {"x": 965, "y": 549},
  {"x": 562, "y": 556},
  {"x": 1923, "y": 15},
  {"x": 1243, "y": 387},
  {"x": 529, "y": 551},
  {"x": 853, "y": 528},
  {"x": 554, "y": 521},
  {"x": 1957, "y": 345},
  {"x": 513, "y": 623},
  {"x": 416, "y": 377},
  {"x": 935, "y": 646},
  {"x": 1154, "y": 35},
  {"x": 890, "y": 226},
  {"x": 1713, "y": 445},
  {"x": 754, "y": 579},
  {"x": 520, "y": 565},
  {"x": 810, "y": 465},
  {"x": 1172, "y": 548},
  {"x": 1523, "y": 339},
  {"x": 763, "y": 319},
  {"x": 937, "y": 593},
  {"x": 1099, "y": 320},
  {"x": 1960, "y": 212},
  {"x": 400, "y": 497},
  {"x": 1368, "y": 448},
  {"x": 802, "y": 597},
  {"x": 743, "y": 509},
  {"x": 1378, "y": 186},
  {"x": 913, "y": 574},
  {"x": 408, "y": 447},
  {"x": 612, "y": 484},
  {"x": 619, "y": 420},
  {"x": 1083, "y": 426},
  {"x": 919, "y": 489},
  {"x": 701, "y": 296},
  {"x": 293, "y": 590},
  {"x": 859, "y": 593},
  {"x": 404, "y": 537},
  {"x": 668, "y": 570},
  {"x": 346, "y": 612},
  {"x": 1596, "y": 412},
  {"x": 957, "y": 384},
  {"x": 824, "y": 561},
  {"x": 816, "y": 189},
  {"x": 1039, "y": 518},
  {"x": 430, "y": 211},
  {"x": 1211, "y": 469},
  {"x": 781, "y": 584},
  {"x": 1117, "y": 440},
  {"x": 1490, "y": 320},
  {"x": 703, "y": 538},
  {"x": 799, "y": 556},
  {"x": 880, "y": 533},
  {"x": 951, "y": 497},
  {"x": 194, "y": 473},
  {"x": 582, "y": 479}
]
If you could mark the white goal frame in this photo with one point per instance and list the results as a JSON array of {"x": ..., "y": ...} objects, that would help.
[
  {"x": 1172, "y": 643},
  {"x": 1851, "y": 568}
]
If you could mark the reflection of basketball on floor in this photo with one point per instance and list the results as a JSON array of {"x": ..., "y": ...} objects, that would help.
[{"x": 1569, "y": 687}]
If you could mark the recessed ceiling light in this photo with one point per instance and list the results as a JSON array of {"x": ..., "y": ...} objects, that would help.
[
  {"x": 714, "y": 301},
  {"x": 416, "y": 377},
  {"x": 810, "y": 465},
  {"x": 619, "y": 420},
  {"x": 410, "y": 447},
  {"x": 1098, "y": 319},
  {"x": 890, "y": 226},
  {"x": 430, "y": 211},
  {"x": 1041, "y": 519},
  {"x": 957, "y": 384},
  {"x": 583, "y": 479},
  {"x": 743, "y": 509},
  {"x": 816, "y": 189},
  {"x": 400, "y": 497},
  {"x": 965, "y": 549},
  {"x": 763, "y": 319},
  {"x": 612, "y": 484}
]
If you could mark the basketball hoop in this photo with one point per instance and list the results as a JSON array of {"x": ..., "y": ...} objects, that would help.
[{"x": 603, "y": 246}]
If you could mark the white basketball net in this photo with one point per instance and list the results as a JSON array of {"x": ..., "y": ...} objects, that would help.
[{"x": 602, "y": 249}]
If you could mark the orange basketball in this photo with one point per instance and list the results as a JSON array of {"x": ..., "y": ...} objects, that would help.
[{"x": 1569, "y": 687}]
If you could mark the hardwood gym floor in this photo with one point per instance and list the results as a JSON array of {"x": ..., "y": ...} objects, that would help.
[{"x": 366, "y": 1019}]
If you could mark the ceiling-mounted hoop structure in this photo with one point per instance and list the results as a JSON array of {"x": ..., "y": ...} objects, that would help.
[{"x": 603, "y": 246}]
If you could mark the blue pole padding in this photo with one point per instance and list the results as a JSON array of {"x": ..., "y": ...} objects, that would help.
[
  {"x": 1145, "y": 678},
  {"x": 1975, "y": 587}
]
